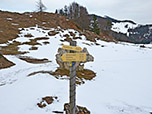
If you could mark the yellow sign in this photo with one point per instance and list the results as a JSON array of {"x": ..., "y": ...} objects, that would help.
[
  {"x": 68, "y": 57},
  {"x": 72, "y": 48}
]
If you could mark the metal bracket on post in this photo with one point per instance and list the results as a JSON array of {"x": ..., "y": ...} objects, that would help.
[{"x": 73, "y": 83}]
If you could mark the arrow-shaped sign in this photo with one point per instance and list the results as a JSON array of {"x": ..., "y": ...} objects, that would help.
[
  {"x": 72, "y": 48},
  {"x": 68, "y": 57}
]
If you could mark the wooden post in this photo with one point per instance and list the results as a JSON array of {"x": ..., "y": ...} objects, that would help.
[{"x": 73, "y": 83}]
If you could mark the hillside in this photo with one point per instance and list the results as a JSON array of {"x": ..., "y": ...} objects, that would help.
[
  {"x": 121, "y": 86},
  {"x": 11, "y": 23},
  {"x": 125, "y": 30},
  {"x": 118, "y": 30},
  {"x": 118, "y": 81}
]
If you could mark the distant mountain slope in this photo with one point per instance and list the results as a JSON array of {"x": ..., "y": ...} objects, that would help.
[
  {"x": 136, "y": 33},
  {"x": 125, "y": 30},
  {"x": 120, "y": 30}
]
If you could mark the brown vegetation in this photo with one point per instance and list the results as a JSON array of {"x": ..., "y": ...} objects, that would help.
[
  {"x": 33, "y": 60},
  {"x": 42, "y": 19},
  {"x": 10, "y": 22},
  {"x": 46, "y": 101},
  {"x": 79, "y": 109},
  {"x": 52, "y": 33},
  {"x": 4, "y": 63},
  {"x": 81, "y": 75},
  {"x": 9, "y": 31},
  {"x": 28, "y": 35},
  {"x": 46, "y": 42},
  {"x": 33, "y": 48},
  {"x": 12, "y": 49}
]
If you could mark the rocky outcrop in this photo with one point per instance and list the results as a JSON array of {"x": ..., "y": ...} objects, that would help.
[
  {"x": 65, "y": 65},
  {"x": 141, "y": 34}
]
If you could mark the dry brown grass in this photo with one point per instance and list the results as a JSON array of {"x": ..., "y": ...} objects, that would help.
[
  {"x": 34, "y": 42},
  {"x": 4, "y": 63},
  {"x": 81, "y": 75},
  {"x": 52, "y": 33},
  {"x": 46, "y": 42},
  {"x": 46, "y": 101},
  {"x": 33, "y": 48},
  {"x": 12, "y": 49},
  {"x": 41, "y": 38},
  {"x": 9, "y": 31},
  {"x": 77, "y": 38},
  {"x": 28, "y": 35},
  {"x": 34, "y": 60}
]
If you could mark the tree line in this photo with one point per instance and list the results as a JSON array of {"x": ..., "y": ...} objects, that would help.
[
  {"x": 80, "y": 15},
  {"x": 77, "y": 13}
]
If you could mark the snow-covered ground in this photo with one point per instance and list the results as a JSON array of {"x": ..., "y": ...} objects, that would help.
[
  {"x": 122, "y": 84},
  {"x": 123, "y": 27}
]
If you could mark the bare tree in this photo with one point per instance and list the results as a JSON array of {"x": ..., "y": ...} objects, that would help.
[
  {"x": 78, "y": 13},
  {"x": 40, "y": 6}
]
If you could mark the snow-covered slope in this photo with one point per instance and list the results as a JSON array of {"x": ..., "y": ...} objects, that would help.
[
  {"x": 123, "y": 27},
  {"x": 122, "y": 84}
]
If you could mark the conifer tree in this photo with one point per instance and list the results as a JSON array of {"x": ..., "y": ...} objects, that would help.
[
  {"x": 56, "y": 11},
  {"x": 94, "y": 25}
]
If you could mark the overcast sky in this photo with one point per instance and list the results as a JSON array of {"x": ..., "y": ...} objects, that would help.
[{"x": 139, "y": 11}]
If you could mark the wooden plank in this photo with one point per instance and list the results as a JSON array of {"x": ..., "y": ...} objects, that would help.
[
  {"x": 72, "y": 48},
  {"x": 68, "y": 57}
]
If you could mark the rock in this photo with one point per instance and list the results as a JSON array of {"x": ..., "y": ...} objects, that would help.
[
  {"x": 79, "y": 109},
  {"x": 65, "y": 65}
]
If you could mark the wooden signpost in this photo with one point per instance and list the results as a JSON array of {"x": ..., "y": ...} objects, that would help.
[
  {"x": 72, "y": 57},
  {"x": 72, "y": 48}
]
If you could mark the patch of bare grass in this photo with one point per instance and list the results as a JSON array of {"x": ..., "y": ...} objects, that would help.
[
  {"x": 59, "y": 73},
  {"x": 41, "y": 38},
  {"x": 46, "y": 42},
  {"x": 32, "y": 42},
  {"x": 52, "y": 33},
  {"x": 4, "y": 63},
  {"x": 12, "y": 49},
  {"x": 28, "y": 35},
  {"x": 33, "y": 48},
  {"x": 34, "y": 60},
  {"x": 47, "y": 101}
]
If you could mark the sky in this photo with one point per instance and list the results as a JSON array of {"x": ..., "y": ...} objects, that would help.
[{"x": 138, "y": 11}]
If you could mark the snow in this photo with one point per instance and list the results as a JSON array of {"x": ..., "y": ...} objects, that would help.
[
  {"x": 122, "y": 84},
  {"x": 123, "y": 27},
  {"x": 15, "y": 24},
  {"x": 9, "y": 19}
]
